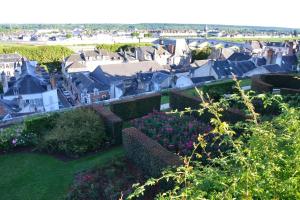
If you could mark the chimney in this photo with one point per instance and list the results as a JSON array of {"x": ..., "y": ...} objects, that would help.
[
  {"x": 278, "y": 58},
  {"x": 4, "y": 82},
  {"x": 291, "y": 48},
  {"x": 269, "y": 59},
  {"x": 53, "y": 82},
  {"x": 136, "y": 54},
  {"x": 17, "y": 74}
]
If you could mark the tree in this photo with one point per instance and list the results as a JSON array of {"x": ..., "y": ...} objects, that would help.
[
  {"x": 135, "y": 34},
  {"x": 68, "y": 35},
  {"x": 201, "y": 54}
]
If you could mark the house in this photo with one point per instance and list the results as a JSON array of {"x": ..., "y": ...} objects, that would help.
[
  {"x": 32, "y": 90},
  {"x": 266, "y": 69},
  {"x": 183, "y": 81},
  {"x": 144, "y": 81},
  {"x": 201, "y": 68},
  {"x": 221, "y": 53},
  {"x": 89, "y": 60},
  {"x": 255, "y": 47},
  {"x": 153, "y": 53},
  {"x": 86, "y": 90},
  {"x": 10, "y": 64},
  {"x": 160, "y": 80},
  {"x": 238, "y": 56},
  {"x": 122, "y": 77}
]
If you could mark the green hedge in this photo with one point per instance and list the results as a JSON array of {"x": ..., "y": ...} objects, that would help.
[
  {"x": 113, "y": 124},
  {"x": 180, "y": 101},
  {"x": 47, "y": 55},
  {"x": 288, "y": 84},
  {"x": 147, "y": 154},
  {"x": 41, "y": 125},
  {"x": 136, "y": 107},
  {"x": 217, "y": 90}
]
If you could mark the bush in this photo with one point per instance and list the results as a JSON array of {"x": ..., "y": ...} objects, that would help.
[
  {"x": 15, "y": 136},
  {"x": 147, "y": 154},
  {"x": 75, "y": 133},
  {"x": 136, "y": 107}
]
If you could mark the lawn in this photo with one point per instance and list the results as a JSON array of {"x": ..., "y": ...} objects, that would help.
[
  {"x": 30, "y": 176},
  {"x": 192, "y": 91}
]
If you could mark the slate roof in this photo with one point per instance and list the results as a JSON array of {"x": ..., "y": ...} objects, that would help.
[
  {"x": 261, "y": 61},
  {"x": 227, "y": 68},
  {"x": 76, "y": 65},
  {"x": 239, "y": 57},
  {"x": 159, "y": 77},
  {"x": 199, "y": 63},
  {"x": 74, "y": 58},
  {"x": 27, "y": 84},
  {"x": 11, "y": 57},
  {"x": 145, "y": 77},
  {"x": 274, "y": 68},
  {"x": 196, "y": 80},
  {"x": 275, "y": 44},
  {"x": 289, "y": 62},
  {"x": 83, "y": 82},
  {"x": 130, "y": 69}
]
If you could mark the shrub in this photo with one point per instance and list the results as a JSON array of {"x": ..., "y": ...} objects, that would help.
[
  {"x": 147, "y": 154},
  {"x": 15, "y": 136},
  {"x": 264, "y": 164},
  {"x": 75, "y": 133},
  {"x": 136, "y": 107}
]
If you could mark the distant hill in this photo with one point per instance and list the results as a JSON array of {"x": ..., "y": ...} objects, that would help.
[{"x": 143, "y": 26}]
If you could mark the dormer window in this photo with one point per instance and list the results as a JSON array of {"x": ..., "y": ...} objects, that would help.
[
  {"x": 96, "y": 91},
  {"x": 16, "y": 91}
]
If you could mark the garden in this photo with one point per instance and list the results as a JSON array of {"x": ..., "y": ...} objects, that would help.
[{"x": 244, "y": 146}]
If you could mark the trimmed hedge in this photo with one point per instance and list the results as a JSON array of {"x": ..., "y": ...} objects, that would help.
[
  {"x": 217, "y": 90},
  {"x": 41, "y": 124},
  {"x": 288, "y": 84},
  {"x": 113, "y": 124},
  {"x": 136, "y": 107},
  {"x": 179, "y": 101},
  {"x": 146, "y": 153}
]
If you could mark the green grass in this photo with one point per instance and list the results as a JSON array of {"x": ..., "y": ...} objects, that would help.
[
  {"x": 272, "y": 39},
  {"x": 29, "y": 176},
  {"x": 165, "y": 99},
  {"x": 192, "y": 91}
]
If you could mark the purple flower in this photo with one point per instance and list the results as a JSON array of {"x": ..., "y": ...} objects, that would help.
[
  {"x": 189, "y": 144},
  {"x": 14, "y": 141}
]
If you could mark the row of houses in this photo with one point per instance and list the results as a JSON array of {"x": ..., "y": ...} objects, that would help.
[{"x": 30, "y": 89}]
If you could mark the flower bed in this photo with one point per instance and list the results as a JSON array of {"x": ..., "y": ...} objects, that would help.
[
  {"x": 175, "y": 133},
  {"x": 109, "y": 182},
  {"x": 14, "y": 137}
]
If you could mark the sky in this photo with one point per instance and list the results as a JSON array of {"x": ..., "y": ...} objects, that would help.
[{"x": 276, "y": 13}]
